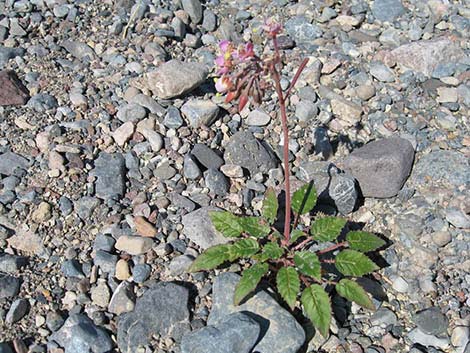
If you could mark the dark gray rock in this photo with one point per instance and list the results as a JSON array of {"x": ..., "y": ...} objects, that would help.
[
  {"x": 200, "y": 112},
  {"x": 236, "y": 333},
  {"x": 105, "y": 261},
  {"x": 78, "y": 50},
  {"x": 217, "y": 182},
  {"x": 9, "y": 162},
  {"x": 18, "y": 309},
  {"x": 104, "y": 242},
  {"x": 245, "y": 150},
  {"x": 79, "y": 334},
  {"x": 194, "y": 9},
  {"x": 431, "y": 321},
  {"x": 9, "y": 286},
  {"x": 42, "y": 102},
  {"x": 173, "y": 119},
  {"x": 190, "y": 168},
  {"x": 206, "y": 156},
  {"x": 72, "y": 268},
  {"x": 5, "y": 347},
  {"x": 199, "y": 229},
  {"x": 162, "y": 310},
  {"x": 110, "y": 172},
  {"x": 381, "y": 167},
  {"x": 387, "y": 10},
  {"x": 11, "y": 263},
  {"x": 448, "y": 167},
  {"x": 322, "y": 143},
  {"x": 85, "y": 206},
  {"x": 302, "y": 31},
  {"x": 65, "y": 206},
  {"x": 343, "y": 191},
  {"x": 271, "y": 317},
  {"x": 141, "y": 272},
  {"x": 7, "y": 53}
]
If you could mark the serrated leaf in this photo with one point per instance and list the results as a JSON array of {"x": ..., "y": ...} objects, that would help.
[
  {"x": 270, "y": 205},
  {"x": 354, "y": 292},
  {"x": 249, "y": 281},
  {"x": 288, "y": 285},
  {"x": 327, "y": 228},
  {"x": 317, "y": 306},
  {"x": 271, "y": 251},
  {"x": 364, "y": 241},
  {"x": 304, "y": 199},
  {"x": 308, "y": 263},
  {"x": 211, "y": 258},
  {"x": 226, "y": 223},
  {"x": 354, "y": 263},
  {"x": 295, "y": 235},
  {"x": 255, "y": 226},
  {"x": 243, "y": 248}
]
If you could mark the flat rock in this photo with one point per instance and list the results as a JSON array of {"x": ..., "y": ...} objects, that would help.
[
  {"x": 441, "y": 166},
  {"x": 245, "y": 150},
  {"x": 110, "y": 171},
  {"x": 175, "y": 78},
  {"x": 381, "y": 167},
  {"x": 9, "y": 162},
  {"x": 12, "y": 91},
  {"x": 387, "y": 10},
  {"x": 425, "y": 55},
  {"x": 134, "y": 245},
  {"x": 199, "y": 229},
  {"x": 78, "y": 49},
  {"x": 418, "y": 336},
  {"x": 18, "y": 309},
  {"x": 236, "y": 333},
  {"x": 9, "y": 286},
  {"x": 162, "y": 310},
  {"x": 200, "y": 112},
  {"x": 272, "y": 318},
  {"x": 431, "y": 321},
  {"x": 206, "y": 156},
  {"x": 79, "y": 334},
  {"x": 346, "y": 111},
  {"x": 11, "y": 263}
]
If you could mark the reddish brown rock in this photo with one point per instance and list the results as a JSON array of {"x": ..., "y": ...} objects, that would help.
[{"x": 12, "y": 91}]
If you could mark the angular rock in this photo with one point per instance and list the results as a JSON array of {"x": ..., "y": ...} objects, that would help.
[
  {"x": 11, "y": 263},
  {"x": 190, "y": 168},
  {"x": 271, "y": 317},
  {"x": 18, "y": 309},
  {"x": 200, "y": 112},
  {"x": 431, "y": 321},
  {"x": 194, "y": 9},
  {"x": 258, "y": 117},
  {"x": 448, "y": 167},
  {"x": 134, "y": 245},
  {"x": 9, "y": 286},
  {"x": 9, "y": 162},
  {"x": 78, "y": 50},
  {"x": 216, "y": 182},
  {"x": 206, "y": 156},
  {"x": 175, "y": 78},
  {"x": 343, "y": 191},
  {"x": 381, "y": 72},
  {"x": 79, "y": 334},
  {"x": 236, "y": 333},
  {"x": 199, "y": 229},
  {"x": 346, "y": 111},
  {"x": 418, "y": 336},
  {"x": 148, "y": 103},
  {"x": 110, "y": 171},
  {"x": 245, "y": 150},
  {"x": 123, "y": 299},
  {"x": 381, "y": 167},
  {"x": 12, "y": 91},
  {"x": 162, "y": 310},
  {"x": 387, "y": 10},
  {"x": 425, "y": 55}
]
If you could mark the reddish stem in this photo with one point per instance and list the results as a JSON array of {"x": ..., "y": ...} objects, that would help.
[
  {"x": 332, "y": 247},
  {"x": 303, "y": 243},
  {"x": 296, "y": 77}
]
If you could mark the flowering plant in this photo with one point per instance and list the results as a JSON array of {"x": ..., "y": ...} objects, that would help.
[{"x": 313, "y": 259}]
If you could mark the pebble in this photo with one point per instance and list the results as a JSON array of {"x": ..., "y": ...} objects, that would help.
[
  {"x": 122, "y": 270},
  {"x": 258, "y": 117},
  {"x": 206, "y": 156},
  {"x": 123, "y": 133},
  {"x": 431, "y": 321},
  {"x": 199, "y": 229},
  {"x": 9, "y": 286},
  {"x": 110, "y": 173},
  {"x": 457, "y": 218},
  {"x": 13, "y": 91},
  {"x": 131, "y": 113},
  {"x": 100, "y": 295},
  {"x": 134, "y": 245},
  {"x": 123, "y": 299},
  {"x": 18, "y": 309},
  {"x": 381, "y": 72},
  {"x": 216, "y": 182},
  {"x": 200, "y": 112}
]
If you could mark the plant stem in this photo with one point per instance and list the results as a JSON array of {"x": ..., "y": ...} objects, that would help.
[{"x": 333, "y": 247}]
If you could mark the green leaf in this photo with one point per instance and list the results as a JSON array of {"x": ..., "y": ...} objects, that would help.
[
  {"x": 364, "y": 241},
  {"x": 288, "y": 285},
  {"x": 317, "y": 306},
  {"x": 327, "y": 228},
  {"x": 354, "y": 263},
  {"x": 304, "y": 199},
  {"x": 226, "y": 223},
  {"x": 271, "y": 251},
  {"x": 255, "y": 226},
  {"x": 211, "y": 258},
  {"x": 249, "y": 281},
  {"x": 308, "y": 263},
  {"x": 295, "y": 235},
  {"x": 354, "y": 292},
  {"x": 243, "y": 248},
  {"x": 270, "y": 205}
]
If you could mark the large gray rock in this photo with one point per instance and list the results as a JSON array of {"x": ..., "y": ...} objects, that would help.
[
  {"x": 11, "y": 263},
  {"x": 431, "y": 321},
  {"x": 387, "y": 10},
  {"x": 381, "y": 167},
  {"x": 10, "y": 161},
  {"x": 447, "y": 167},
  {"x": 9, "y": 286},
  {"x": 237, "y": 333},
  {"x": 79, "y": 334},
  {"x": 193, "y": 9},
  {"x": 281, "y": 333},
  {"x": 162, "y": 310},
  {"x": 110, "y": 171},
  {"x": 199, "y": 229},
  {"x": 425, "y": 55},
  {"x": 175, "y": 78},
  {"x": 245, "y": 150}
]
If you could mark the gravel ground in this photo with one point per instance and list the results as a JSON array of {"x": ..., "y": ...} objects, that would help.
[{"x": 114, "y": 145}]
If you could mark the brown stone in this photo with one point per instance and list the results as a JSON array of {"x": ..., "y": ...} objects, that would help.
[
  {"x": 12, "y": 91},
  {"x": 144, "y": 227}
]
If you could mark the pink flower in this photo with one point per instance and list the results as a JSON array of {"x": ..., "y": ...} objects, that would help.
[
  {"x": 224, "y": 45},
  {"x": 223, "y": 84},
  {"x": 271, "y": 27},
  {"x": 246, "y": 52}
]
